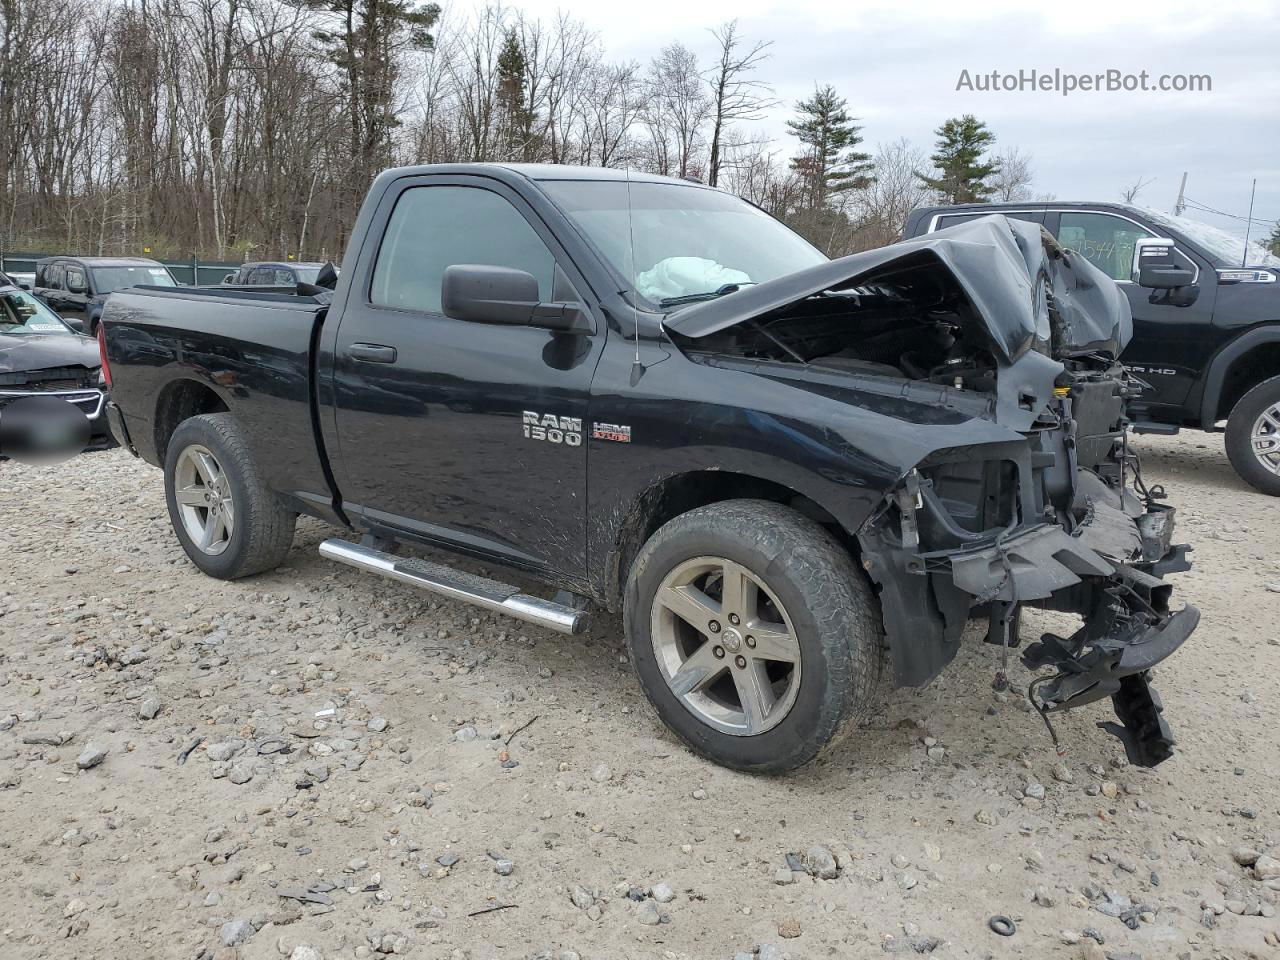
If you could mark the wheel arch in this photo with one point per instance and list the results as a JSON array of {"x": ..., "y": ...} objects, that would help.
[
  {"x": 181, "y": 400},
  {"x": 1238, "y": 367},
  {"x": 679, "y": 493}
]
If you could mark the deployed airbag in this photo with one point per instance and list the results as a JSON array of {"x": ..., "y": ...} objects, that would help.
[{"x": 684, "y": 276}]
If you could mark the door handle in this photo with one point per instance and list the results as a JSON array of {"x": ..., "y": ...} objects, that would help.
[{"x": 372, "y": 353}]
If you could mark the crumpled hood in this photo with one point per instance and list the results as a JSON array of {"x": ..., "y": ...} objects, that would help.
[
  {"x": 31, "y": 351},
  {"x": 1027, "y": 290}
]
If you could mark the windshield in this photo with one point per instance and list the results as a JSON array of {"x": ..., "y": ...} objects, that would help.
[
  {"x": 21, "y": 313},
  {"x": 109, "y": 279},
  {"x": 688, "y": 240},
  {"x": 1223, "y": 248}
]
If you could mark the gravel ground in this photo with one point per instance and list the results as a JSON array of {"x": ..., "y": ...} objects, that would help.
[{"x": 368, "y": 771}]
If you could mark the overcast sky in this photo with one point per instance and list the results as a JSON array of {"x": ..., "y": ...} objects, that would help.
[{"x": 898, "y": 62}]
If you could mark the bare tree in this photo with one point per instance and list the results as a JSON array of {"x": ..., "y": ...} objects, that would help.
[
  {"x": 1013, "y": 176},
  {"x": 882, "y": 207},
  {"x": 1130, "y": 193},
  {"x": 677, "y": 110},
  {"x": 735, "y": 94},
  {"x": 475, "y": 79},
  {"x": 252, "y": 127},
  {"x": 763, "y": 176},
  {"x": 610, "y": 107}
]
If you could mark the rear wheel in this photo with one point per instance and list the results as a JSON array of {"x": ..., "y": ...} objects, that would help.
[
  {"x": 1253, "y": 437},
  {"x": 226, "y": 519},
  {"x": 753, "y": 634}
]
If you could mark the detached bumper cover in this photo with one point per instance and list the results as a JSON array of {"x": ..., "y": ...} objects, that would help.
[
  {"x": 1107, "y": 570},
  {"x": 1114, "y": 666},
  {"x": 1128, "y": 627}
]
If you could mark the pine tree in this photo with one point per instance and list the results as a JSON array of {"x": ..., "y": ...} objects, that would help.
[
  {"x": 367, "y": 40},
  {"x": 961, "y": 173},
  {"x": 515, "y": 121},
  {"x": 1273, "y": 241},
  {"x": 829, "y": 163}
]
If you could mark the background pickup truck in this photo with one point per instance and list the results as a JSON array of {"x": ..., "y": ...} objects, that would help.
[
  {"x": 783, "y": 471},
  {"x": 274, "y": 273},
  {"x": 76, "y": 288},
  {"x": 1209, "y": 347}
]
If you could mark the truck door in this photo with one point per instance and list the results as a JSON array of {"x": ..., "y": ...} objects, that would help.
[
  {"x": 1170, "y": 342},
  {"x": 75, "y": 297},
  {"x": 48, "y": 286},
  {"x": 453, "y": 432}
]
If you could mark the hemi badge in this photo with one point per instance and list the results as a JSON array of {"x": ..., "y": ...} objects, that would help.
[{"x": 611, "y": 431}]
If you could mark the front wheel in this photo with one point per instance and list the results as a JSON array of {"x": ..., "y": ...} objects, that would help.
[
  {"x": 1253, "y": 437},
  {"x": 228, "y": 522},
  {"x": 755, "y": 637}
]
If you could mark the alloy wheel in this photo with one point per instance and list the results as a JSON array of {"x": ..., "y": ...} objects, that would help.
[
  {"x": 1264, "y": 439},
  {"x": 203, "y": 494},
  {"x": 726, "y": 646}
]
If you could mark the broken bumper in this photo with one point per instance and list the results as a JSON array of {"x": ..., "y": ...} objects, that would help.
[
  {"x": 1128, "y": 627},
  {"x": 1115, "y": 665},
  {"x": 1108, "y": 571}
]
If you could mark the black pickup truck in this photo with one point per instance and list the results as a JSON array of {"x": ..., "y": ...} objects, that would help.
[
  {"x": 1208, "y": 347},
  {"x": 648, "y": 394},
  {"x": 77, "y": 287}
]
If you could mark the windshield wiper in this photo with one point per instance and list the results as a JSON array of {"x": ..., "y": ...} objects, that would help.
[{"x": 699, "y": 297}]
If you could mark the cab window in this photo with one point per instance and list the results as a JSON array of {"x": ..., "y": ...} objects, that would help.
[
  {"x": 75, "y": 280},
  {"x": 1105, "y": 241},
  {"x": 422, "y": 239},
  {"x": 951, "y": 219}
]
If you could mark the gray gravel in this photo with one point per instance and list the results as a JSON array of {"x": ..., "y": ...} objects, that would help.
[{"x": 350, "y": 790}]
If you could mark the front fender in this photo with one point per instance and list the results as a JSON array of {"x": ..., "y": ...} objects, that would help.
[
  {"x": 1216, "y": 373},
  {"x": 840, "y": 441}
]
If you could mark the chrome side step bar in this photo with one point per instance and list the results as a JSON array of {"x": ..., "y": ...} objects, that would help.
[{"x": 457, "y": 585}]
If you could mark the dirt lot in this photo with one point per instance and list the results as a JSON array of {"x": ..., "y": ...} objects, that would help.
[{"x": 463, "y": 762}]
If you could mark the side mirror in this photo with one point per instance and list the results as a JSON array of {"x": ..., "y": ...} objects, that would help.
[
  {"x": 76, "y": 287},
  {"x": 328, "y": 276},
  {"x": 486, "y": 294},
  {"x": 75, "y": 323},
  {"x": 228, "y": 278},
  {"x": 1154, "y": 267}
]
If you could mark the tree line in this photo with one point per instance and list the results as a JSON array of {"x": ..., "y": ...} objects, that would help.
[{"x": 252, "y": 128}]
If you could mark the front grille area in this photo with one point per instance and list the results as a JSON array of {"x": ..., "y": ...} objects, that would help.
[
  {"x": 44, "y": 385},
  {"x": 90, "y": 401},
  {"x": 51, "y": 378}
]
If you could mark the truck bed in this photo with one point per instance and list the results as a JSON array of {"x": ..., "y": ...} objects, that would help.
[{"x": 252, "y": 348}]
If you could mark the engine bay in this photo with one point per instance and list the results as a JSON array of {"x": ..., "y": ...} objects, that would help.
[{"x": 911, "y": 321}]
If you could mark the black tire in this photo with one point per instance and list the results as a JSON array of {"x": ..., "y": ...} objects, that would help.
[
  {"x": 834, "y": 614},
  {"x": 1238, "y": 437},
  {"x": 261, "y": 529}
]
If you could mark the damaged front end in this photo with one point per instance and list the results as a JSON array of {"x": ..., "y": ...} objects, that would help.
[
  {"x": 1092, "y": 541},
  {"x": 995, "y": 323}
]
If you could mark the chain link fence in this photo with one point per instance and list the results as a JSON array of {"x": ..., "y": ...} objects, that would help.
[{"x": 20, "y": 258}]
